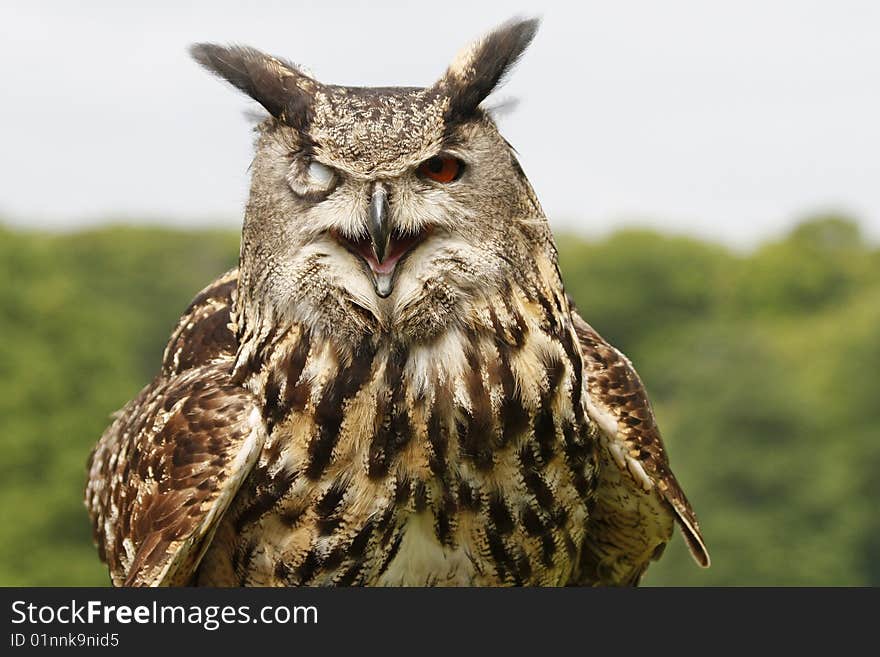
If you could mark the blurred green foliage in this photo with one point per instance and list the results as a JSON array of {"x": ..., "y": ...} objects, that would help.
[{"x": 764, "y": 369}]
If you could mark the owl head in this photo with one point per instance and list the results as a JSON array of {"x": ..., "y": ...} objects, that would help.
[{"x": 380, "y": 210}]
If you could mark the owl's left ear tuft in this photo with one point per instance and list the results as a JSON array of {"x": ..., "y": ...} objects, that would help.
[{"x": 480, "y": 68}]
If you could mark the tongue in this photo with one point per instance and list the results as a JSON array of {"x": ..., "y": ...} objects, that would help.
[
  {"x": 386, "y": 266},
  {"x": 385, "y": 270},
  {"x": 396, "y": 250}
]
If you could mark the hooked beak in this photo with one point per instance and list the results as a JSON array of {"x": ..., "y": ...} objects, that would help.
[
  {"x": 380, "y": 234},
  {"x": 384, "y": 248}
]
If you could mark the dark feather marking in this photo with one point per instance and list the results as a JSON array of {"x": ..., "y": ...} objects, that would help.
[
  {"x": 402, "y": 491},
  {"x": 549, "y": 314},
  {"x": 334, "y": 559},
  {"x": 519, "y": 328},
  {"x": 583, "y": 483},
  {"x": 309, "y": 566},
  {"x": 500, "y": 516},
  {"x": 401, "y": 427},
  {"x": 532, "y": 522},
  {"x": 420, "y": 496},
  {"x": 498, "y": 330},
  {"x": 545, "y": 430},
  {"x": 351, "y": 575},
  {"x": 385, "y": 441},
  {"x": 545, "y": 427},
  {"x": 523, "y": 566},
  {"x": 282, "y": 571},
  {"x": 468, "y": 497},
  {"x": 297, "y": 394},
  {"x": 264, "y": 347},
  {"x": 445, "y": 518},
  {"x": 273, "y": 409},
  {"x": 560, "y": 516},
  {"x": 171, "y": 400},
  {"x": 533, "y": 480},
  {"x": 555, "y": 375},
  {"x": 328, "y": 519},
  {"x": 548, "y": 549},
  {"x": 392, "y": 552},
  {"x": 442, "y": 527},
  {"x": 574, "y": 358},
  {"x": 243, "y": 562},
  {"x": 579, "y": 453},
  {"x": 387, "y": 524},
  {"x": 329, "y": 415},
  {"x": 514, "y": 416},
  {"x": 267, "y": 497},
  {"x": 359, "y": 544},
  {"x": 277, "y": 408},
  {"x": 476, "y": 432},
  {"x": 504, "y": 564},
  {"x": 438, "y": 439}
]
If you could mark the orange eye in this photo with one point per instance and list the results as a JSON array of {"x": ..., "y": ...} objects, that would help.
[{"x": 442, "y": 168}]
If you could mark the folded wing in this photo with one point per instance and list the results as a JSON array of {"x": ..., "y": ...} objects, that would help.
[
  {"x": 166, "y": 470},
  {"x": 638, "y": 498}
]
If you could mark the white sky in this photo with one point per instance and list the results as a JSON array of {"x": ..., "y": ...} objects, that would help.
[{"x": 727, "y": 120}]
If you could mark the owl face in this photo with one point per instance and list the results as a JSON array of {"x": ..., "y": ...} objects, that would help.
[{"x": 381, "y": 209}]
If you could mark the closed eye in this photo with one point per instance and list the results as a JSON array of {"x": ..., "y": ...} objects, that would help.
[
  {"x": 309, "y": 178},
  {"x": 322, "y": 176}
]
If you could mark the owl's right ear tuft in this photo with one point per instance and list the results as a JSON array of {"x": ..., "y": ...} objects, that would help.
[
  {"x": 480, "y": 68},
  {"x": 279, "y": 86}
]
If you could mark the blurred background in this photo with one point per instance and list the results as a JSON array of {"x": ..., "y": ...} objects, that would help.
[{"x": 711, "y": 171}]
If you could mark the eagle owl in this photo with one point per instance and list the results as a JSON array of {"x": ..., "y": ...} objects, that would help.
[{"x": 393, "y": 387}]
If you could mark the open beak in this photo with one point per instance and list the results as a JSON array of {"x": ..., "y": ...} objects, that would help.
[{"x": 384, "y": 247}]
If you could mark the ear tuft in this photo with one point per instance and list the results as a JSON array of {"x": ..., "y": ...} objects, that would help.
[
  {"x": 277, "y": 85},
  {"x": 481, "y": 67}
]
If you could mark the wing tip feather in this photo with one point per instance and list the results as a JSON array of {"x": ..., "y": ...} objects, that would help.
[{"x": 694, "y": 539}]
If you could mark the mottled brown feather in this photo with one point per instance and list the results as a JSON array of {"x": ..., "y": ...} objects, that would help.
[
  {"x": 165, "y": 470},
  {"x": 618, "y": 397}
]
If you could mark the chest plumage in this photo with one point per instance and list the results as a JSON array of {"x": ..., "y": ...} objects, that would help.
[{"x": 468, "y": 460}]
